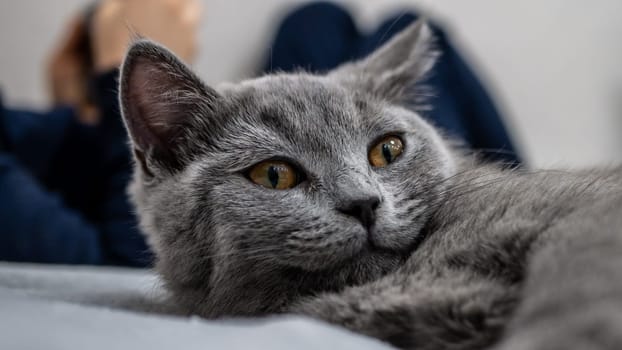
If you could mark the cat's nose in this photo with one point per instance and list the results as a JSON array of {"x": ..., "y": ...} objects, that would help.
[{"x": 363, "y": 210}]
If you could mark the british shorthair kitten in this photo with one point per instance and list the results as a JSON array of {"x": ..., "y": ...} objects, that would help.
[{"x": 329, "y": 196}]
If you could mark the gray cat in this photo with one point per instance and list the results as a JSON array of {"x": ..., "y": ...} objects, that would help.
[{"x": 329, "y": 196}]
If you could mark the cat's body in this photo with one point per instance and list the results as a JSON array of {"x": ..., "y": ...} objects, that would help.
[
  {"x": 414, "y": 244},
  {"x": 538, "y": 253}
]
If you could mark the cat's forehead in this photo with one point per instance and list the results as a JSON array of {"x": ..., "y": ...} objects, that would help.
[
  {"x": 309, "y": 102},
  {"x": 295, "y": 91}
]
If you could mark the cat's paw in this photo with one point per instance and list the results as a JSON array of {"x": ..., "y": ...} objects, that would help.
[{"x": 418, "y": 316}]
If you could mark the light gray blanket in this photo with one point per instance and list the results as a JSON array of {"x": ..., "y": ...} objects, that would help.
[{"x": 65, "y": 308}]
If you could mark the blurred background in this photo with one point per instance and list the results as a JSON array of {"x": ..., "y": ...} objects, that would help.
[{"x": 553, "y": 67}]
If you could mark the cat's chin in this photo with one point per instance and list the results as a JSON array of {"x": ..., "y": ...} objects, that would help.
[
  {"x": 371, "y": 263},
  {"x": 374, "y": 260},
  {"x": 368, "y": 265},
  {"x": 363, "y": 255}
]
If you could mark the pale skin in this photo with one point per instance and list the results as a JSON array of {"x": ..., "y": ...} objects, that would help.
[
  {"x": 115, "y": 23},
  {"x": 172, "y": 23}
]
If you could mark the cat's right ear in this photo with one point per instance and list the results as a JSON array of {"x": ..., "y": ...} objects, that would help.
[
  {"x": 160, "y": 100},
  {"x": 392, "y": 71}
]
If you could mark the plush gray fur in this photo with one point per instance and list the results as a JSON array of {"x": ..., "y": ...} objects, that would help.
[{"x": 461, "y": 255}]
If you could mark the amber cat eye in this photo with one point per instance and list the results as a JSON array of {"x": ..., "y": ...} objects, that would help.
[
  {"x": 274, "y": 174},
  {"x": 386, "y": 151}
]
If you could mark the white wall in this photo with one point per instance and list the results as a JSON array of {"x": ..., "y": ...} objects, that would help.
[{"x": 554, "y": 66}]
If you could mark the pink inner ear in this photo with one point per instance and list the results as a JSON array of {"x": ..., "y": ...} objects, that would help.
[{"x": 149, "y": 103}]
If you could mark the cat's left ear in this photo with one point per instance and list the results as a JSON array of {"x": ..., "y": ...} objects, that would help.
[
  {"x": 391, "y": 71},
  {"x": 162, "y": 101}
]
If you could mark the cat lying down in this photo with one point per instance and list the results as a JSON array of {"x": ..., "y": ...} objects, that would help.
[{"x": 329, "y": 196}]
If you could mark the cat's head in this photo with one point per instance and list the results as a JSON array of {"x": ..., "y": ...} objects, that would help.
[{"x": 257, "y": 193}]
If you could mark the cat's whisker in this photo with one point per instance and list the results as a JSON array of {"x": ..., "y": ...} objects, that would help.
[{"x": 473, "y": 185}]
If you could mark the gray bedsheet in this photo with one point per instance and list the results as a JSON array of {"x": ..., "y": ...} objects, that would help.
[{"x": 60, "y": 307}]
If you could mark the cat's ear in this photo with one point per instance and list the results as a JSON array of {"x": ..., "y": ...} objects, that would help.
[
  {"x": 392, "y": 71},
  {"x": 160, "y": 100}
]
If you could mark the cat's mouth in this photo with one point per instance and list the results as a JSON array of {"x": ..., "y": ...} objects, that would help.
[
  {"x": 387, "y": 241},
  {"x": 372, "y": 251},
  {"x": 371, "y": 246},
  {"x": 372, "y": 262},
  {"x": 378, "y": 250}
]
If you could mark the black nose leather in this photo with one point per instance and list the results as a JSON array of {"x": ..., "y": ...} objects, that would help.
[{"x": 362, "y": 209}]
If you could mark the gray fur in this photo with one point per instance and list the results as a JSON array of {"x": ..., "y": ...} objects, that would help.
[{"x": 461, "y": 256}]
